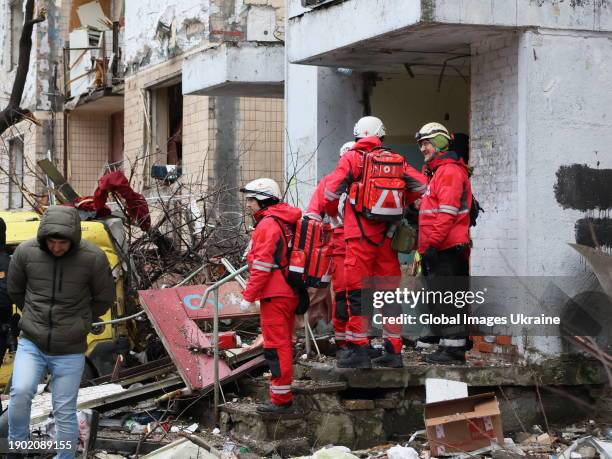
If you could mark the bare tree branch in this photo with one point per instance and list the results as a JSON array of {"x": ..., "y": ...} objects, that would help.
[{"x": 13, "y": 113}]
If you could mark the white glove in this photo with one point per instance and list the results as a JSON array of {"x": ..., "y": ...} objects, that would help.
[{"x": 245, "y": 305}]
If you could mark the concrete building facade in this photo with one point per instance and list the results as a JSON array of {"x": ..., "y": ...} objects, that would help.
[
  {"x": 534, "y": 90},
  {"x": 190, "y": 57},
  {"x": 126, "y": 85},
  {"x": 526, "y": 80}
]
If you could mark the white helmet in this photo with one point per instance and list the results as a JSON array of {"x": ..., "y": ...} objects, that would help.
[
  {"x": 263, "y": 188},
  {"x": 431, "y": 130},
  {"x": 346, "y": 147},
  {"x": 369, "y": 126}
]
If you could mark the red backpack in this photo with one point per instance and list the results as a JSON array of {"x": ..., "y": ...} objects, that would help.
[
  {"x": 379, "y": 194},
  {"x": 309, "y": 262}
]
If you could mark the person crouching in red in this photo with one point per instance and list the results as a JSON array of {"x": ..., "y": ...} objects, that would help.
[{"x": 268, "y": 260}]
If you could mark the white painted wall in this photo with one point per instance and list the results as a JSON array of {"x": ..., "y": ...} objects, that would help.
[
  {"x": 566, "y": 105},
  {"x": 577, "y": 15},
  {"x": 301, "y": 137},
  {"x": 494, "y": 155},
  {"x": 142, "y": 18},
  {"x": 405, "y": 104},
  {"x": 339, "y": 109},
  {"x": 324, "y": 29},
  {"x": 539, "y": 101},
  {"x": 321, "y": 107}
]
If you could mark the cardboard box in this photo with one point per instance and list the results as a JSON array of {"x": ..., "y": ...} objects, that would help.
[{"x": 463, "y": 424}]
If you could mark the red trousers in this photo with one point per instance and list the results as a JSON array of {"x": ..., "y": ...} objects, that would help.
[
  {"x": 365, "y": 260},
  {"x": 340, "y": 307},
  {"x": 277, "y": 319}
]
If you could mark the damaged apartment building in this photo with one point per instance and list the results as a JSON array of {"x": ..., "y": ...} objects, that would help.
[
  {"x": 116, "y": 85},
  {"x": 525, "y": 79}
]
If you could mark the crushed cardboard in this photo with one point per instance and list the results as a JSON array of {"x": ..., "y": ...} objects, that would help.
[{"x": 463, "y": 424}]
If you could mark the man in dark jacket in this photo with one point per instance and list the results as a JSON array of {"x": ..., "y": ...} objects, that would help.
[{"x": 60, "y": 283}]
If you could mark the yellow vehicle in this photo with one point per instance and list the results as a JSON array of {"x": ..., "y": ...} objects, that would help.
[{"x": 107, "y": 235}]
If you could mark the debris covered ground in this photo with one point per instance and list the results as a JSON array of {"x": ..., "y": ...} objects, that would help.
[{"x": 155, "y": 397}]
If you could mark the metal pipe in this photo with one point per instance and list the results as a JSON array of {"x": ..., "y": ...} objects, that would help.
[
  {"x": 120, "y": 319},
  {"x": 215, "y": 308},
  {"x": 306, "y": 334},
  {"x": 228, "y": 265},
  {"x": 133, "y": 316},
  {"x": 314, "y": 340},
  {"x": 219, "y": 283}
]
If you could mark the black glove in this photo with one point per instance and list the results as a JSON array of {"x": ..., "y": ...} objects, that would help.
[{"x": 430, "y": 258}]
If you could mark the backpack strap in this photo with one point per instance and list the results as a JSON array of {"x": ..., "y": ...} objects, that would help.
[
  {"x": 281, "y": 227},
  {"x": 363, "y": 234}
]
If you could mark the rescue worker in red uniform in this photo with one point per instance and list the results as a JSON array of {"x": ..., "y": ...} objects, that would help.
[
  {"x": 444, "y": 230},
  {"x": 316, "y": 209},
  {"x": 268, "y": 259},
  {"x": 368, "y": 246}
]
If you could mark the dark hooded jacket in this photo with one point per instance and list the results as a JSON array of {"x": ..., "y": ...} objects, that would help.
[{"x": 59, "y": 296}]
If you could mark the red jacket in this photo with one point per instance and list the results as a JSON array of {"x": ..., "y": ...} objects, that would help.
[
  {"x": 444, "y": 214},
  {"x": 316, "y": 205},
  {"x": 268, "y": 252},
  {"x": 349, "y": 168}
]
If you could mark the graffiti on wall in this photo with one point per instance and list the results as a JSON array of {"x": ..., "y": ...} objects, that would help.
[{"x": 588, "y": 190}]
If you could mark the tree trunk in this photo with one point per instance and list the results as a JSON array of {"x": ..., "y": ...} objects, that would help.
[{"x": 13, "y": 113}]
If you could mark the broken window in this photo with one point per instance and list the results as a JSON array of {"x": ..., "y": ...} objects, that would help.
[
  {"x": 116, "y": 153},
  {"x": 167, "y": 123},
  {"x": 15, "y": 198},
  {"x": 16, "y": 26}
]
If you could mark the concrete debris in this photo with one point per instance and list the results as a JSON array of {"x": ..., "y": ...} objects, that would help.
[
  {"x": 402, "y": 452},
  {"x": 586, "y": 447},
  {"x": 180, "y": 449},
  {"x": 334, "y": 452},
  {"x": 91, "y": 15}
]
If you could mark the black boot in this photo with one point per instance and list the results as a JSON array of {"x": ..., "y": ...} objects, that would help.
[
  {"x": 272, "y": 408},
  {"x": 342, "y": 352},
  {"x": 427, "y": 342},
  {"x": 445, "y": 354},
  {"x": 374, "y": 352},
  {"x": 389, "y": 359},
  {"x": 357, "y": 358}
]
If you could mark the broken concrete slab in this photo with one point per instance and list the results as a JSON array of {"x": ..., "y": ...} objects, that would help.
[
  {"x": 87, "y": 397},
  {"x": 246, "y": 70},
  {"x": 560, "y": 371},
  {"x": 600, "y": 262},
  {"x": 180, "y": 449}
]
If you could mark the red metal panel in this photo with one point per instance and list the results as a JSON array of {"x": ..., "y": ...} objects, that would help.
[
  {"x": 189, "y": 298},
  {"x": 171, "y": 313}
]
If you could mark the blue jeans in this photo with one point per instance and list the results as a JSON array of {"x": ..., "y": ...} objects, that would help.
[{"x": 28, "y": 369}]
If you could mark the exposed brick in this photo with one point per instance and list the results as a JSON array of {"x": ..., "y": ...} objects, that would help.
[{"x": 494, "y": 125}]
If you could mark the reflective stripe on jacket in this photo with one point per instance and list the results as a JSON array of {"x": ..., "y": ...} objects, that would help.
[
  {"x": 268, "y": 253},
  {"x": 348, "y": 170},
  {"x": 444, "y": 213}
]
